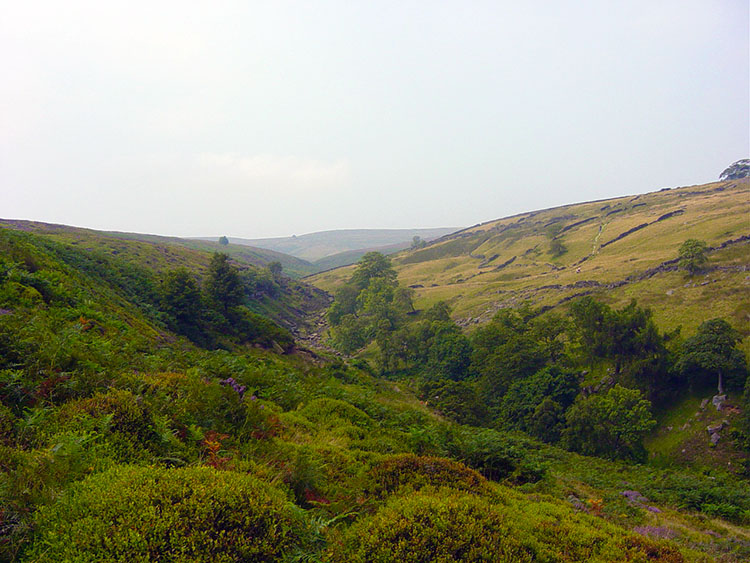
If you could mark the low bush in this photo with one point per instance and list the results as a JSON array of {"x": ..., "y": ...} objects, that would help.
[
  {"x": 147, "y": 513},
  {"x": 497, "y": 455},
  {"x": 445, "y": 527},
  {"x": 417, "y": 472},
  {"x": 333, "y": 412}
]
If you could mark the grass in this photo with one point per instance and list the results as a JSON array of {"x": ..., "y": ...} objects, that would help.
[{"x": 449, "y": 270}]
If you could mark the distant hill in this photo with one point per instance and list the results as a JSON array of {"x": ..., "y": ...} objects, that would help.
[
  {"x": 256, "y": 256},
  {"x": 616, "y": 249},
  {"x": 314, "y": 246}
]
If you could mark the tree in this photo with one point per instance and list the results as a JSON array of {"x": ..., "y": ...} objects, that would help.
[
  {"x": 373, "y": 265},
  {"x": 610, "y": 425},
  {"x": 181, "y": 297},
  {"x": 537, "y": 404},
  {"x": 557, "y": 248},
  {"x": 417, "y": 242},
  {"x": 505, "y": 349},
  {"x": 624, "y": 336},
  {"x": 223, "y": 241},
  {"x": 713, "y": 352},
  {"x": 275, "y": 268},
  {"x": 440, "y": 311},
  {"x": 692, "y": 255},
  {"x": 740, "y": 169},
  {"x": 371, "y": 306},
  {"x": 449, "y": 354},
  {"x": 223, "y": 284}
]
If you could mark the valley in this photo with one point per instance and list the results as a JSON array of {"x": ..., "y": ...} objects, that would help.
[{"x": 530, "y": 389}]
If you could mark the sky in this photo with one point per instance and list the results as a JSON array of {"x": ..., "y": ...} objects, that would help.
[{"x": 259, "y": 119}]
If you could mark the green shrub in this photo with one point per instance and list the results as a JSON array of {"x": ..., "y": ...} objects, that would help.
[
  {"x": 457, "y": 400},
  {"x": 398, "y": 471},
  {"x": 451, "y": 527},
  {"x": 498, "y": 456},
  {"x": 333, "y": 412},
  {"x": 190, "y": 514},
  {"x": 119, "y": 413}
]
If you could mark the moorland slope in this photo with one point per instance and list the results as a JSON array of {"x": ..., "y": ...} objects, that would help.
[{"x": 614, "y": 249}]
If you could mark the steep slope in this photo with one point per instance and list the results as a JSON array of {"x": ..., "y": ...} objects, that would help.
[{"x": 617, "y": 249}]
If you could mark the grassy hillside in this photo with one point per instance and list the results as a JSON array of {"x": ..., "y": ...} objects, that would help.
[
  {"x": 153, "y": 256},
  {"x": 165, "y": 246},
  {"x": 314, "y": 246},
  {"x": 615, "y": 249},
  {"x": 120, "y": 440}
]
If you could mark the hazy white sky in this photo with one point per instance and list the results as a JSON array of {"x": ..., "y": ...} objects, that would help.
[{"x": 256, "y": 119}]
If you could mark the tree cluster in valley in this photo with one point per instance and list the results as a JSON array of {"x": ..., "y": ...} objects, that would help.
[
  {"x": 586, "y": 379},
  {"x": 217, "y": 308}
]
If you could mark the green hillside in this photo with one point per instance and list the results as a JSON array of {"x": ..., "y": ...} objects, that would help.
[
  {"x": 150, "y": 409},
  {"x": 286, "y": 301},
  {"x": 93, "y": 239},
  {"x": 615, "y": 249}
]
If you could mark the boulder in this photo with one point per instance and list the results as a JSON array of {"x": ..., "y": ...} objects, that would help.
[
  {"x": 718, "y": 401},
  {"x": 716, "y": 428}
]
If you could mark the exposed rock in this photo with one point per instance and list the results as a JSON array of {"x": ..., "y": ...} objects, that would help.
[
  {"x": 718, "y": 401},
  {"x": 704, "y": 404},
  {"x": 716, "y": 428},
  {"x": 634, "y": 496},
  {"x": 670, "y": 292},
  {"x": 715, "y": 439}
]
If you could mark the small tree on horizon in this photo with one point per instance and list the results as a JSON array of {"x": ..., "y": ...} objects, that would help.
[{"x": 223, "y": 241}]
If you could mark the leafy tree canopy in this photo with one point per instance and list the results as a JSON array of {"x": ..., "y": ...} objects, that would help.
[
  {"x": 624, "y": 335},
  {"x": 373, "y": 265},
  {"x": 740, "y": 169},
  {"x": 713, "y": 352},
  {"x": 223, "y": 284},
  {"x": 610, "y": 425},
  {"x": 693, "y": 255},
  {"x": 181, "y": 296}
]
